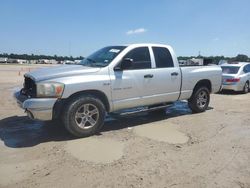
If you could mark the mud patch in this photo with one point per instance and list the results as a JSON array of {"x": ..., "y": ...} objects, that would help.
[
  {"x": 95, "y": 150},
  {"x": 165, "y": 132}
]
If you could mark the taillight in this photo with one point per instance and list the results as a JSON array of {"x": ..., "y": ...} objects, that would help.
[{"x": 233, "y": 80}]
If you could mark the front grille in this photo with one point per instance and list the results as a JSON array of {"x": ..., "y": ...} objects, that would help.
[{"x": 29, "y": 87}]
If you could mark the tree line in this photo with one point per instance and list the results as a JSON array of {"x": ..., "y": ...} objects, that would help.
[
  {"x": 215, "y": 59},
  {"x": 36, "y": 57}
]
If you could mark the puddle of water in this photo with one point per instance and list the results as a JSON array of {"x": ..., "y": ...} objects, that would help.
[
  {"x": 162, "y": 132},
  {"x": 97, "y": 150},
  {"x": 178, "y": 108}
]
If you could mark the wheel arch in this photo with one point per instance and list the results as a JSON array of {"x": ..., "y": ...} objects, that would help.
[
  {"x": 97, "y": 93},
  {"x": 60, "y": 103},
  {"x": 205, "y": 82}
]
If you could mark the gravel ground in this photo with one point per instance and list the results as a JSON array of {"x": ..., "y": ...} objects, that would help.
[{"x": 178, "y": 149}]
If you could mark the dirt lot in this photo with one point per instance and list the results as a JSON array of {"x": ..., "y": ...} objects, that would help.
[{"x": 178, "y": 149}]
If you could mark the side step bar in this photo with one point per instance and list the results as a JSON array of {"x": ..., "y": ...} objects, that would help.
[{"x": 140, "y": 110}]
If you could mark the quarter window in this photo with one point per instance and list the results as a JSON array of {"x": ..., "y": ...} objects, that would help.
[
  {"x": 141, "y": 58},
  {"x": 245, "y": 69},
  {"x": 163, "y": 57},
  {"x": 248, "y": 68}
]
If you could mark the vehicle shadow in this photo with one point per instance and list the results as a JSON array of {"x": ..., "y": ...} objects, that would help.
[
  {"x": 180, "y": 108},
  {"x": 20, "y": 131},
  {"x": 229, "y": 92}
]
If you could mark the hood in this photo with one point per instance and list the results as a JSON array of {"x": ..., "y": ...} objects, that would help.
[{"x": 60, "y": 71}]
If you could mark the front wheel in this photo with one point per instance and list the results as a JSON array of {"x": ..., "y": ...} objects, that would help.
[
  {"x": 246, "y": 88},
  {"x": 84, "y": 115},
  {"x": 199, "y": 100}
]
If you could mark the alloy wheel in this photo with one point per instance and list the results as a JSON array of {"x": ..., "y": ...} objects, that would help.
[
  {"x": 202, "y": 99},
  {"x": 87, "y": 116}
]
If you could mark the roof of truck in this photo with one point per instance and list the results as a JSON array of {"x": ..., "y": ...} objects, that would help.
[{"x": 147, "y": 44}]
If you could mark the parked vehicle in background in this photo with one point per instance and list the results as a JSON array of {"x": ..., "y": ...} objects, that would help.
[
  {"x": 236, "y": 76},
  {"x": 112, "y": 79}
]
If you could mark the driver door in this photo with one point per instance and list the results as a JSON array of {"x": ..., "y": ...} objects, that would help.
[{"x": 128, "y": 85}]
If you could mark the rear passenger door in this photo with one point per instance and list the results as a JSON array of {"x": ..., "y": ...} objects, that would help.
[{"x": 165, "y": 84}]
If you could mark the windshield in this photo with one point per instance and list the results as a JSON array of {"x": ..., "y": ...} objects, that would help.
[
  {"x": 102, "y": 57},
  {"x": 230, "y": 70}
]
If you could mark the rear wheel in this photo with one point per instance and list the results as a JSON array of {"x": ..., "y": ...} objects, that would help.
[
  {"x": 246, "y": 88},
  {"x": 84, "y": 115},
  {"x": 199, "y": 100}
]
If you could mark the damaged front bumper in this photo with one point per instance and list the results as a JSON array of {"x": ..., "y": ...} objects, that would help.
[{"x": 36, "y": 108}]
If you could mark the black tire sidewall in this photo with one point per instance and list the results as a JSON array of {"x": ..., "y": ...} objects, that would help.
[
  {"x": 69, "y": 115},
  {"x": 192, "y": 102}
]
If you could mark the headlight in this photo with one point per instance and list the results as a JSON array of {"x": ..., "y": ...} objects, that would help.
[{"x": 49, "y": 89}]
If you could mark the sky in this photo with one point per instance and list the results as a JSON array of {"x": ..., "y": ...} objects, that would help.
[{"x": 79, "y": 27}]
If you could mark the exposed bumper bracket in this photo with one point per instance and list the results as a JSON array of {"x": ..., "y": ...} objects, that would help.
[{"x": 37, "y": 108}]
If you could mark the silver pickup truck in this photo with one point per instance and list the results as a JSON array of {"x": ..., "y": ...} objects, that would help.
[{"x": 113, "y": 79}]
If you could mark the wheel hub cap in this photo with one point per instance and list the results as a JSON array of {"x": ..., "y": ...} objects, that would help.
[
  {"x": 202, "y": 99},
  {"x": 87, "y": 116}
]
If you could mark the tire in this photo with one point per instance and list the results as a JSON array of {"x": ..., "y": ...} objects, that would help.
[
  {"x": 199, "y": 100},
  {"x": 245, "y": 88},
  {"x": 84, "y": 115}
]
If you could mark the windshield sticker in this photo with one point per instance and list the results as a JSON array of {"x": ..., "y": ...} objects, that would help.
[{"x": 114, "y": 50}]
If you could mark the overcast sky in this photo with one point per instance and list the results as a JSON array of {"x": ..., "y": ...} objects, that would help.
[{"x": 64, "y": 27}]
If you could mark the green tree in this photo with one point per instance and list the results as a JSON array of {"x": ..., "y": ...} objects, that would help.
[{"x": 241, "y": 57}]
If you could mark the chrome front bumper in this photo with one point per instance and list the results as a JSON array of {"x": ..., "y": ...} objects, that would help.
[{"x": 36, "y": 108}]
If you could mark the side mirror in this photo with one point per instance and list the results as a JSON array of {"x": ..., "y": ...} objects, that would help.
[{"x": 125, "y": 64}]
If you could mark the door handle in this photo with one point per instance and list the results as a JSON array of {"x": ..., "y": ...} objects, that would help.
[
  {"x": 174, "y": 74},
  {"x": 148, "y": 76}
]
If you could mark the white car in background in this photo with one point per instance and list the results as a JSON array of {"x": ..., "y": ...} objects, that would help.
[{"x": 236, "y": 76}]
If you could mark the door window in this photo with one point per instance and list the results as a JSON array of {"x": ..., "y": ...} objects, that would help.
[
  {"x": 141, "y": 58},
  {"x": 163, "y": 57}
]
